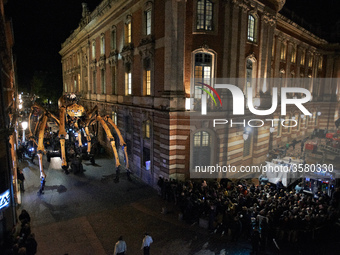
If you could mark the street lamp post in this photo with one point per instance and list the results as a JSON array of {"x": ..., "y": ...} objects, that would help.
[{"x": 24, "y": 125}]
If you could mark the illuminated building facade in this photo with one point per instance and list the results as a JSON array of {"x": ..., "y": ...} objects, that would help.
[
  {"x": 9, "y": 194},
  {"x": 136, "y": 60}
]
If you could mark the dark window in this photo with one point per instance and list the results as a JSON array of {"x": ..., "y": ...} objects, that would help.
[
  {"x": 204, "y": 15},
  {"x": 202, "y": 149}
]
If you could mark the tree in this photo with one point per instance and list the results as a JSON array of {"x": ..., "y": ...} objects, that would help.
[{"x": 46, "y": 86}]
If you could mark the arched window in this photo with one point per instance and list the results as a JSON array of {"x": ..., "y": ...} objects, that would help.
[
  {"x": 102, "y": 44},
  {"x": 113, "y": 39},
  {"x": 204, "y": 18},
  {"x": 93, "y": 49},
  {"x": 203, "y": 70},
  {"x": 128, "y": 30},
  {"x": 202, "y": 148},
  {"x": 252, "y": 28}
]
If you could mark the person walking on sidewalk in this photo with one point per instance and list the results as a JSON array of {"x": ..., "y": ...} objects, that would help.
[
  {"x": 21, "y": 179},
  {"x": 147, "y": 241},
  {"x": 120, "y": 247}
]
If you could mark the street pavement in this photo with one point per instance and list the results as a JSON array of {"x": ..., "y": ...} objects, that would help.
[{"x": 85, "y": 214}]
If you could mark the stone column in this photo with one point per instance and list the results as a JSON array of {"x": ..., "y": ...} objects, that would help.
[
  {"x": 279, "y": 40},
  {"x": 262, "y": 59},
  {"x": 242, "y": 43},
  {"x": 226, "y": 45},
  {"x": 234, "y": 36},
  {"x": 174, "y": 53}
]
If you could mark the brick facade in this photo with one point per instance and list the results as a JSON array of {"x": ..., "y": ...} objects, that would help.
[{"x": 169, "y": 53}]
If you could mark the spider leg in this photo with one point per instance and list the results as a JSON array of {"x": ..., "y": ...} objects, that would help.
[
  {"x": 110, "y": 138},
  {"x": 41, "y": 148}
]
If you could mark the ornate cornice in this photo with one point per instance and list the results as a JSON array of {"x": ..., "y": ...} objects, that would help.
[
  {"x": 113, "y": 58},
  {"x": 101, "y": 62},
  {"x": 93, "y": 64},
  {"x": 146, "y": 47},
  {"x": 127, "y": 53}
]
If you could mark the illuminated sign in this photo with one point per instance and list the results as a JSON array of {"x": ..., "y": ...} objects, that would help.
[{"x": 4, "y": 199}]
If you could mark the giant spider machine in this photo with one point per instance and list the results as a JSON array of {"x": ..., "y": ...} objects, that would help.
[{"x": 72, "y": 117}]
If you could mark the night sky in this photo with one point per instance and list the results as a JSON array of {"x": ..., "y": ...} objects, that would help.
[{"x": 40, "y": 26}]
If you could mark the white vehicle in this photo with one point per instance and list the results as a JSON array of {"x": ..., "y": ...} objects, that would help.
[{"x": 281, "y": 169}]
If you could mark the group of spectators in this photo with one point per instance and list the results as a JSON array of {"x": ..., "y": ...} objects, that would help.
[
  {"x": 22, "y": 241},
  {"x": 242, "y": 210}
]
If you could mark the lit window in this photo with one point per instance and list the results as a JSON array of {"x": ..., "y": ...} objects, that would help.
[
  {"x": 320, "y": 62},
  {"x": 251, "y": 28},
  {"x": 75, "y": 85},
  {"x": 148, "y": 82},
  {"x": 128, "y": 86},
  {"x": 303, "y": 56},
  {"x": 114, "y": 118},
  {"x": 204, "y": 15},
  {"x": 102, "y": 45},
  {"x": 128, "y": 32},
  {"x": 147, "y": 77},
  {"x": 310, "y": 60},
  {"x": 79, "y": 82},
  {"x": 148, "y": 22},
  {"x": 203, "y": 66},
  {"x": 283, "y": 51},
  {"x": 146, "y": 129},
  {"x": 93, "y": 50},
  {"x": 293, "y": 57}
]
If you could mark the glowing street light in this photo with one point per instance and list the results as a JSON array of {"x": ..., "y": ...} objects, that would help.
[{"x": 24, "y": 125}]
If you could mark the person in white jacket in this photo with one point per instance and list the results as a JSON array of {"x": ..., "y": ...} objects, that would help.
[
  {"x": 120, "y": 247},
  {"x": 147, "y": 241}
]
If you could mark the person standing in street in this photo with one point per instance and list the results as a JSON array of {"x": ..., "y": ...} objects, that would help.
[
  {"x": 120, "y": 247},
  {"x": 21, "y": 179},
  {"x": 147, "y": 241},
  {"x": 42, "y": 185}
]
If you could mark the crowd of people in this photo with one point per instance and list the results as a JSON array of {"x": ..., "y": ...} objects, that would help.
[
  {"x": 239, "y": 209},
  {"x": 22, "y": 241}
]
